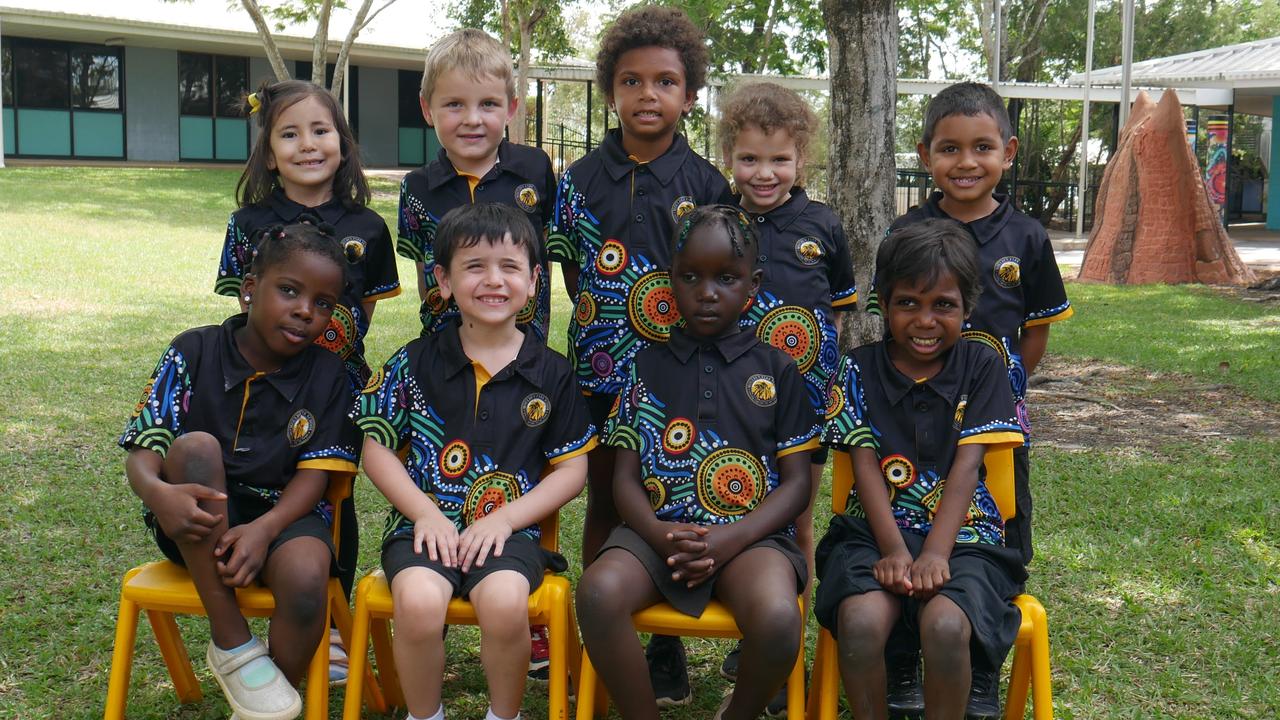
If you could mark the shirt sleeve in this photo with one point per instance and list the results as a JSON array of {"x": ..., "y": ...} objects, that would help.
[
  {"x": 985, "y": 413},
  {"x": 622, "y": 429},
  {"x": 233, "y": 264},
  {"x": 562, "y": 232},
  {"x": 382, "y": 408},
  {"x": 382, "y": 279},
  {"x": 415, "y": 229},
  {"x": 797, "y": 424},
  {"x": 847, "y": 424},
  {"x": 332, "y": 445},
  {"x": 158, "y": 417},
  {"x": 570, "y": 432},
  {"x": 1046, "y": 296},
  {"x": 844, "y": 292}
]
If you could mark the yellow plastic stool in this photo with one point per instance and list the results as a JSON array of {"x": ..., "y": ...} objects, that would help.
[
  {"x": 548, "y": 605},
  {"x": 663, "y": 619},
  {"x": 164, "y": 589},
  {"x": 1030, "y": 649}
]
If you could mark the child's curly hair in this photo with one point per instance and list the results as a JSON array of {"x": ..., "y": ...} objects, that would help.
[
  {"x": 654, "y": 26},
  {"x": 770, "y": 107}
]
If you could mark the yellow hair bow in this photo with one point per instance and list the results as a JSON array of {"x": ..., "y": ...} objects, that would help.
[{"x": 254, "y": 103}]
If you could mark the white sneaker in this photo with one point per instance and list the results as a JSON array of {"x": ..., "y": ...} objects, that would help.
[{"x": 266, "y": 695}]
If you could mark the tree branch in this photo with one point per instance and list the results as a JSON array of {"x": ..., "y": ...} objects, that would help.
[
  {"x": 268, "y": 42},
  {"x": 320, "y": 44},
  {"x": 369, "y": 19}
]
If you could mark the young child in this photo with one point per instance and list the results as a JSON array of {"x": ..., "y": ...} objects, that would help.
[
  {"x": 615, "y": 215},
  {"x": 713, "y": 431},
  {"x": 305, "y": 160},
  {"x": 468, "y": 95},
  {"x": 765, "y": 130},
  {"x": 477, "y": 410},
  {"x": 231, "y": 448},
  {"x": 967, "y": 144},
  {"x": 922, "y": 542}
]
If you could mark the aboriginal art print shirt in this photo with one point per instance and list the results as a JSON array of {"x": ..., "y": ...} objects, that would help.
[
  {"x": 361, "y": 232},
  {"x": 472, "y": 442},
  {"x": 269, "y": 425},
  {"x": 1021, "y": 284},
  {"x": 916, "y": 426},
  {"x": 522, "y": 178},
  {"x": 808, "y": 273},
  {"x": 615, "y": 219},
  {"x": 709, "y": 420}
]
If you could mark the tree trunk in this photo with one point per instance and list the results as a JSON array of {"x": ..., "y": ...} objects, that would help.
[
  {"x": 520, "y": 121},
  {"x": 863, "y": 39},
  {"x": 268, "y": 42},
  {"x": 320, "y": 44},
  {"x": 357, "y": 25},
  {"x": 1059, "y": 175},
  {"x": 762, "y": 62}
]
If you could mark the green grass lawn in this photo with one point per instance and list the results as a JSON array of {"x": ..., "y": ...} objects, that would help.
[{"x": 1160, "y": 571}]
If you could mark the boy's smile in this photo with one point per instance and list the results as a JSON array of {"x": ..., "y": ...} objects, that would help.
[
  {"x": 967, "y": 157},
  {"x": 650, "y": 96},
  {"x": 764, "y": 167},
  {"x": 712, "y": 283},
  {"x": 924, "y": 320},
  {"x": 490, "y": 282},
  {"x": 469, "y": 115}
]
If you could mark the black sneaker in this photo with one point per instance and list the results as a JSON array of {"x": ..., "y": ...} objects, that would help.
[
  {"x": 905, "y": 696},
  {"x": 668, "y": 670},
  {"x": 984, "y": 696},
  {"x": 729, "y": 668}
]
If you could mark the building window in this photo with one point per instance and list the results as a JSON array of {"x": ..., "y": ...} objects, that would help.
[
  {"x": 410, "y": 111},
  {"x": 195, "y": 73},
  {"x": 212, "y": 85},
  {"x": 62, "y": 99}
]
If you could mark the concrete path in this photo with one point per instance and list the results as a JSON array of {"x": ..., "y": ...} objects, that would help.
[{"x": 1259, "y": 248}]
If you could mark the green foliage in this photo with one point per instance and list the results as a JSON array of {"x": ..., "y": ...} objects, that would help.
[
  {"x": 750, "y": 36},
  {"x": 550, "y": 37}
]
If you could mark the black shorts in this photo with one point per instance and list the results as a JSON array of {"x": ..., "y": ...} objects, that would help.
[
  {"x": 243, "y": 509},
  {"x": 819, "y": 456},
  {"x": 598, "y": 406},
  {"x": 693, "y": 600},
  {"x": 520, "y": 553},
  {"x": 1017, "y": 531},
  {"x": 984, "y": 580}
]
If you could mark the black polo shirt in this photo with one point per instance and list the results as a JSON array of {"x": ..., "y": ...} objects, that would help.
[
  {"x": 808, "y": 273},
  {"x": 521, "y": 178},
  {"x": 915, "y": 427},
  {"x": 615, "y": 219},
  {"x": 1021, "y": 284},
  {"x": 709, "y": 421},
  {"x": 269, "y": 425},
  {"x": 472, "y": 442},
  {"x": 373, "y": 278}
]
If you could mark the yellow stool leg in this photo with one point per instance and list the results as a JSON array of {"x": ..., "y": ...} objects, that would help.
[
  {"x": 121, "y": 660},
  {"x": 588, "y": 686},
  {"x": 317, "y": 691},
  {"x": 387, "y": 674},
  {"x": 795, "y": 684},
  {"x": 1015, "y": 703},
  {"x": 175, "y": 656},
  {"x": 1041, "y": 681},
  {"x": 829, "y": 665},
  {"x": 556, "y": 595}
]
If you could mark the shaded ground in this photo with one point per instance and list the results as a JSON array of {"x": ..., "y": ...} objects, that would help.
[{"x": 1080, "y": 405}]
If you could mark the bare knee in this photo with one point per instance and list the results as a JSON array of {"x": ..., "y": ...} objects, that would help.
[
  {"x": 419, "y": 613},
  {"x": 503, "y": 607},
  {"x": 601, "y": 595},
  {"x": 302, "y": 593},
  {"x": 195, "y": 457},
  {"x": 944, "y": 629},
  {"x": 861, "y": 633},
  {"x": 774, "y": 624}
]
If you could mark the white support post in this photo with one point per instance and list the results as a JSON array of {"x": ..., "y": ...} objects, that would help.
[
  {"x": 1084, "y": 126},
  {"x": 1126, "y": 61},
  {"x": 2, "y": 109}
]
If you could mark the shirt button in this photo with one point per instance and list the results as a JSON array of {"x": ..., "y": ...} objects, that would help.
[
  {"x": 708, "y": 369},
  {"x": 479, "y": 188},
  {"x": 639, "y": 218},
  {"x": 922, "y": 407},
  {"x": 484, "y": 414},
  {"x": 759, "y": 218},
  {"x": 640, "y": 191},
  {"x": 707, "y": 394},
  {"x": 642, "y": 169},
  {"x": 763, "y": 257}
]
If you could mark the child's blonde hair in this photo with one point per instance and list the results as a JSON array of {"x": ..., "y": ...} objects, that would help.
[
  {"x": 474, "y": 53},
  {"x": 770, "y": 107}
]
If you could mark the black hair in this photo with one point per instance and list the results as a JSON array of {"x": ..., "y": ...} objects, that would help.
[
  {"x": 257, "y": 182},
  {"x": 970, "y": 99},
  {"x": 922, "y": 251},
  {"x": 654, "y": 26},
  {"x": 277, "y": 243},
  {"x": 743, "y": 235},
  {"x": 466, "y": 225}
]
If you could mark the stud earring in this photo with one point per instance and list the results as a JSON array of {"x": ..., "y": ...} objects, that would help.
[{"x": 248, "y": 298}]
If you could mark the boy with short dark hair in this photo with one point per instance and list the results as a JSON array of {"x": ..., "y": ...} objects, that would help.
[
  {"x": 468, "y": 95},
  {"x": 477, "y": 410},
  {"x": 967, "y": 144},
  {"x": 615, "y": 215}
]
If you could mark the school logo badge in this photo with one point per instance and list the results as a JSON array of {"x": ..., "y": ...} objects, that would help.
[
  {"x": 1008, "y": 271},
  {"x": 301, "y": 427},
  {"x": 761, "y": 390},
  {"x": 682, "y": 207},
  {"x": 527, "y": 198},
  {"x": 535, "y": 409},
  {"x": 354, "y": 247},
  {"x": 808, "y": 250},
  {"x": 958, "y": 419}
]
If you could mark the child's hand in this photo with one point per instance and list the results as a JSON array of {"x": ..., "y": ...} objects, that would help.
[
  {"x": 684, "y": 546},
  {"x": 177, "y": 509},
  {"x": 893, "y": 571},
  {"x": 241, "y": 553},
  {"x": 438, "y": 536},
  {"x": 488, "y": 533},
  {"x": 928, "y": 574}
]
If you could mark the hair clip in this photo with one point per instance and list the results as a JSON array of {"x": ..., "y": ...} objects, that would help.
[{"x": 255, "y": 103}]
